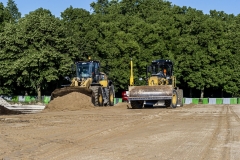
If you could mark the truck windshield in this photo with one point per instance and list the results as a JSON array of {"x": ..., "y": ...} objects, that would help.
[{"x": 83, "y": 70}]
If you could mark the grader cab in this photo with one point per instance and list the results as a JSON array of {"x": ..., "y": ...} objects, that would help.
[{"x": 160, "y": 90}]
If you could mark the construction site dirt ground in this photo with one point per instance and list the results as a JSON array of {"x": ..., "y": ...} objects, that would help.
[{"x": 111, "y": 133}]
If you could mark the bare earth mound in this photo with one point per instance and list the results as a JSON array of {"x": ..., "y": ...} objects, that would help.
[{"x": 72, "y": 101}]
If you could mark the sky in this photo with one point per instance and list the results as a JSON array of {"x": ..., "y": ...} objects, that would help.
[{"x": 58, "y": 6}]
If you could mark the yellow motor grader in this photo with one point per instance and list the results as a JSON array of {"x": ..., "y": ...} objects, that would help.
[
  {"x": 89, "y": 81},
  {"x": 160, "y": 90}
]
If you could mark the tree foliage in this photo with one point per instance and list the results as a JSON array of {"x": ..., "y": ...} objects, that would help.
[
  {"x": 37, "y": 51},
  {"x": 12, "y": 8}
]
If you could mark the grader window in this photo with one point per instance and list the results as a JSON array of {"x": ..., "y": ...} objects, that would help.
[{"x": 162, "y": 70}]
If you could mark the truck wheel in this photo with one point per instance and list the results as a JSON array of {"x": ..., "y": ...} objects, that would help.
[
  {"x": 136, "y": 104},
  {"x": 100, "y": 96},
  {"x": 94, "y": 96},
  {"x": 111, "y": 96},
  {"x": 106, "y": 99},
  {"x": 180, "y": 97},
  {"x": 174, "y": 99}
]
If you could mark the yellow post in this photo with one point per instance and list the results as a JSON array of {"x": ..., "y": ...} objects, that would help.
[{"x": 131, "y": 76}]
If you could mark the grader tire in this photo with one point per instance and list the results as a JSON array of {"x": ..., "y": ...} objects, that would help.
[
  {"x": 111, "y": 96},
  {"x": 174, "y": 101}
]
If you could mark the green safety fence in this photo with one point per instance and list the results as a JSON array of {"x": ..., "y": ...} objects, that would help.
[
  {"x": 46, "y": 99},
  {"x": 238, "y": 101},
  {"x": 219, "y": 101},
  {"x": 30, "y": 98},
  {"x": 233, "y": 100},
  {"x": 195, "y": 100},
  {"x": 15, "y": 99},
  {"x": 117, "y": 100},
  {"x": 27, "y": 99},
  {"x": 205, "y": 101}
]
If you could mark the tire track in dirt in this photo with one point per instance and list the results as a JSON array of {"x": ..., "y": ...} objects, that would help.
[
  {"x": 52, "y": 137},
  {"x": 234, "y": 114},
  {"x": 46, "y": 145},
  {"x": 65, "y": 139},
  {"x": 222, "y": 125},
  {"x": 226, "y": 150},
  {"x": 191, "y": 145},
  {"x": 49, "y": 140},
  {"x": 213, "y": 139},
  {"x": 111, "y": 133},
  {"x": 57, "y": 145},
  {"x": 136, "y": 125},
  {"x": 235, "y": 135},
  {"x": 182, "y": 141}
]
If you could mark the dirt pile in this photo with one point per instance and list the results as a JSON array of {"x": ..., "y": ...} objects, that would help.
[{"x": 72, "y": 101}]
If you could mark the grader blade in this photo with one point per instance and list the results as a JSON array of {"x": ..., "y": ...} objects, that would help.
[
  {"x": 66, "y": 90},
  {"x": 162, "y": 92}
]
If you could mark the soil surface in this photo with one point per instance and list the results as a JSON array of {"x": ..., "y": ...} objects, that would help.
[
  {"x": 72, "y": 101},
  {"x": 77, "y": 130}
]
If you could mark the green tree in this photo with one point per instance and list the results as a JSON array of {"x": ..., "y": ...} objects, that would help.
[
  {"x": 5, "y": 16},
  {"x": 12, "y": 8},
  {"x": 231, "y": 81},
  {"x": 76, "y": 22},
  {"x": 43, "y": 49}
]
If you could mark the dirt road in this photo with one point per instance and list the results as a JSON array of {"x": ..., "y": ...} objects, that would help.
[{"x": 111, "y": 133}]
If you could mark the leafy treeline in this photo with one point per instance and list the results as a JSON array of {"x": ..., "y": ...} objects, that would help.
[{"x": 37, "y": 50}]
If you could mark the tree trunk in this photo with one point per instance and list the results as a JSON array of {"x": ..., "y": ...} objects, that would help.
[
  {"x": 190, "y": 93},
  {"x": 39, "y": 93},
  {"x": 202, "y": 93}
]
